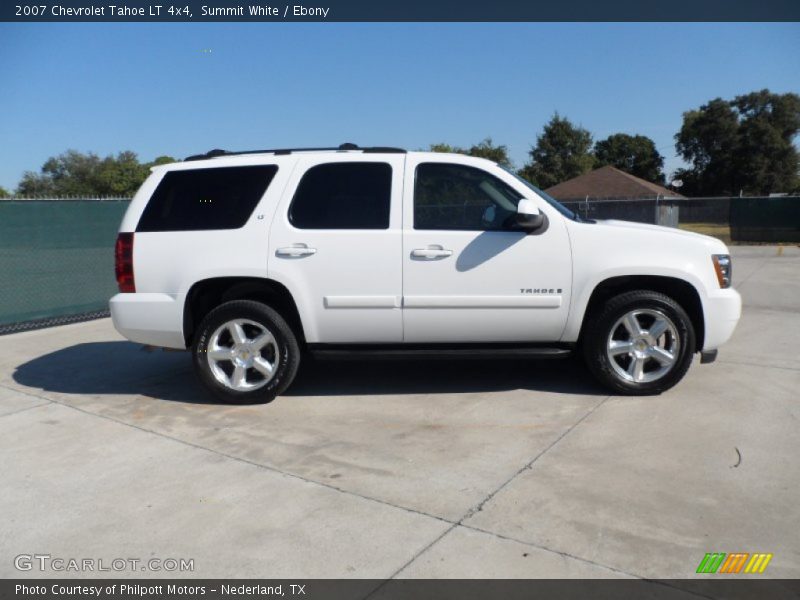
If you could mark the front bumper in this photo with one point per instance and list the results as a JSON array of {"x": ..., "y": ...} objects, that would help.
[
  {"x": 722, "y": 311},
  {"x": 154, "y": 319}
]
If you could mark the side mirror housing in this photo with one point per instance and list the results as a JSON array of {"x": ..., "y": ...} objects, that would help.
[{"x": 529, "y": 217}]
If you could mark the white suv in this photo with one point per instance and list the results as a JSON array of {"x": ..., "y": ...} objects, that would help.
[{"x": 252, "y": 258}]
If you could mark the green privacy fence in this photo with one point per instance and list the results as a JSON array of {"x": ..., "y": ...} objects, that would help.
[
  {"x": 766, "y": 219},
  {"x": 56, "y": 258},
  {"x": 738, "y": 220}
]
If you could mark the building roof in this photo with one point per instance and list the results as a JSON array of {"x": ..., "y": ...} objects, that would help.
[{"x": 608, "y": 182}]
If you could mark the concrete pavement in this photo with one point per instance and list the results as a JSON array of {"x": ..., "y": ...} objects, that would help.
[{"x": 407, "y": 469}]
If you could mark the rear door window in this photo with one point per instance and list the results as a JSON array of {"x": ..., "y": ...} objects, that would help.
[
  {"x": 344, "y": 195},
  {"x": 203, "y": 199}
]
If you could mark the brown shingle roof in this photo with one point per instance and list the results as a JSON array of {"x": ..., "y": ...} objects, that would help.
[{"x": 608, "y": 182}]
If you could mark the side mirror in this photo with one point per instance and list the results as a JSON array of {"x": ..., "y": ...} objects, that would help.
[{"x": 529, "y": 217}]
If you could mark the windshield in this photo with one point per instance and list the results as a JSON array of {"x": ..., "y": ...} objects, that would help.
[{"x": 546, "y": 197}]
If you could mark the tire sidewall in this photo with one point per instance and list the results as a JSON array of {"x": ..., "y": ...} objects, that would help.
[{"x": 269, "y": 319}]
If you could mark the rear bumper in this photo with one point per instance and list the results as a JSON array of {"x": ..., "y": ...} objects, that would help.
[
  {"x": 155, "y": 319},
  {"x": 722, "y": 311}
]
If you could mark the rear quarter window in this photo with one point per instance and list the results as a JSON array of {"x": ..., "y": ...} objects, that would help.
[{"x": 203, "y": 199}]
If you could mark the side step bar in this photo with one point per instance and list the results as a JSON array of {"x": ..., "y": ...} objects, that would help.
[{"x": 435, "y": 351}]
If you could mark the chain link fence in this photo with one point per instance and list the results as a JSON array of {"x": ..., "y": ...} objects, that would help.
[{"x": 56, "y": 260}]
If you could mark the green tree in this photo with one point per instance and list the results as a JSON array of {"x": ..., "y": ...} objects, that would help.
[
  {"x": 70, "y": 173},
  {"x": 121, "y": 175},
  {"x": 161, "y": 160},
  {"x": 484, "y": 149},
  {"x": 77, "y": 174},
  {"x": 562, "y": 151},
  {"x": 708, "y": 140},
  {"x": 634, "y": 154},
  {"x": 4, "y": 193},
  {"x": 446, "y": 149},
  {"x": 767, "y": 159},
  {"x": 743, "y": 145}
]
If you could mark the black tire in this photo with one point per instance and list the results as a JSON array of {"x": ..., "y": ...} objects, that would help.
[
  {"x": 598, "y": 331},
  {"x": 285, "y": 351}
]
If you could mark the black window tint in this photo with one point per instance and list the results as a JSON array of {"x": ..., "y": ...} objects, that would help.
[
  {"x": 201, "y": 199},
  {"x": 343, "y": 196},
  {"x": 457, "y": 197}
]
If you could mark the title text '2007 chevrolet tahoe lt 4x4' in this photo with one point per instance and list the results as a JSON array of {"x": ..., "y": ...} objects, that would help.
[{"x": 251, "y": 258}]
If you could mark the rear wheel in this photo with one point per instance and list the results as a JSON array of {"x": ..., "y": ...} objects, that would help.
[
  {"x": 641, "y": 342},
  {"x": 245, "y": 352}
]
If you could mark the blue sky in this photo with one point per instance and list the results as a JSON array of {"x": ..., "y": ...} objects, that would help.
[{"x": 156, "y": 89}]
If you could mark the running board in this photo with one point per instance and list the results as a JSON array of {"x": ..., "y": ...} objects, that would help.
[{"x": 436, "y": 351}]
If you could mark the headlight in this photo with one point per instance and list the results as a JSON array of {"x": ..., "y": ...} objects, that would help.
[{"x": 723, "y": 268}]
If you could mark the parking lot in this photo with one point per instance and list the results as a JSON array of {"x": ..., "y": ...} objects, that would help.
[{"x": 497, "y": 469}]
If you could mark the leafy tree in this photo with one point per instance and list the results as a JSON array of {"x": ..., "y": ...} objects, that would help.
[
  {"x": 121, "y": 175},
  {"x": 70, "y": 173},
  {"x": 634, "y": 154},
  {"x": 484, "y": 149},
  {"x": 446, "y": 148},
  {"x": 767, "y": 159},
  {"x": 161, "y": 160},
  {"x": 743, "y": 145},
  {"x": 562, "y": 151},
  {"x": 76, "y": 174},
  {"x": 708, "y": 140},
  {"x": 4, "y": 193}
]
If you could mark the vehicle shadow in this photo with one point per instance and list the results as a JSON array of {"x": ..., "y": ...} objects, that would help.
[
  {"x": 485, "y": 247},
  {"x": 108, "y": 368},
  {"x": 125, "y": 368},
  {"x": 445, "y": 376}
]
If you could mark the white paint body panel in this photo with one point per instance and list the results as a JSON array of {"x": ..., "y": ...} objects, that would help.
[
  {"x": 609, "y": 249},
  {"x": 363, "y": 286},
  {"x": 350, "y": 289},
  {"x": 154, "y": 319},
  {"x": 170, "y": 263},
  {"x": 475, "y": 294}
]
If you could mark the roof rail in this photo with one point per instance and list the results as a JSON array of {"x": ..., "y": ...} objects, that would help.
[{"x": 283, "y": 151}]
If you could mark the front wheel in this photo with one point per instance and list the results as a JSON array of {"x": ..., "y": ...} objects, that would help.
[
  {"x": 245, "y": 352},
  {"x": 640, "y": 343}
]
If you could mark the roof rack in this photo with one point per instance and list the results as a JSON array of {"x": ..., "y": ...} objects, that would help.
[{"x": 282, "y": 151}]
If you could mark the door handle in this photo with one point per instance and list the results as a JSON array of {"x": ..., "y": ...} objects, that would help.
[
  {"x": 295, "y": 251},
  {"x": 431, "y": 252}
]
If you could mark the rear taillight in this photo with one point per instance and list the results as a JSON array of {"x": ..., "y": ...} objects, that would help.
[{"x": 123, "y": 264}]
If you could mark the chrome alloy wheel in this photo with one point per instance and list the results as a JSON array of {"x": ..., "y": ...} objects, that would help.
[
  {"x": 243, "y": 355},
  {"x": 643, "y": 346}
]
